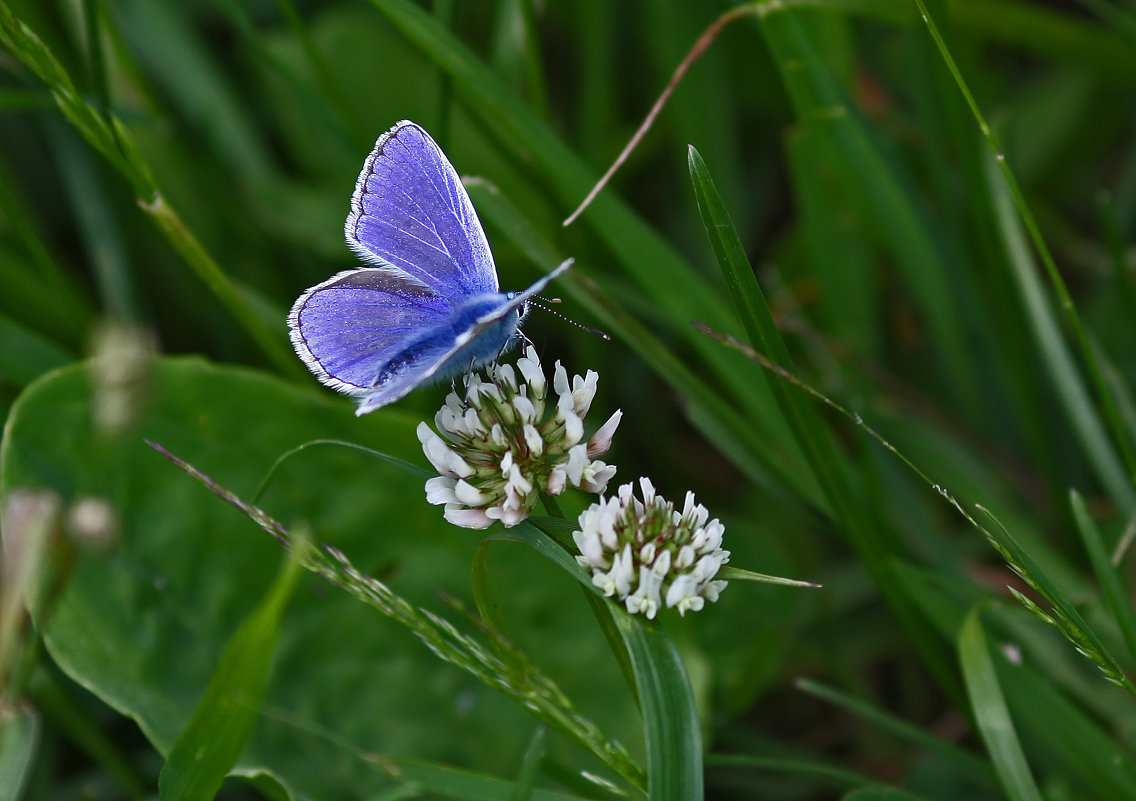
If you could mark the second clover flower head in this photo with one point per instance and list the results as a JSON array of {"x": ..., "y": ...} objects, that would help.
[
  {"x": 507, "y": 441},
  {"x": 646, "y": 554}
]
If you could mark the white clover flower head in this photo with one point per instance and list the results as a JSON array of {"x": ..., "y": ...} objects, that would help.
[
  {"x": 506, "y": 441},
  {"x": 646, "y": 554}
]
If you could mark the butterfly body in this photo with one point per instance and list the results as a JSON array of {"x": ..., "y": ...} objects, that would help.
[{"x": 428, "y": 305}]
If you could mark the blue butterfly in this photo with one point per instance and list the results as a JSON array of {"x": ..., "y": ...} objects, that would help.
[{"x": 428, "y": 306}]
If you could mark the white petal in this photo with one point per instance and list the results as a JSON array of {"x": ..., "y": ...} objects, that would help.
[
  {"x": 590, "y": 548},
  {"x": 577, "y": 458},
  {"x": 623, "y": 571},
  {"x": 529, "y": 365},
  {"x": 712, "y": 590},
  {"x": 573, "y": 430},
  {"x": 682, "y": 589},
  {"x": 525, "y": 408},
  {"x": 560, "y": 380},
  {"x": 440, "y": 490},
  {"x": 557, "y": 480},
  {"x": 584, "y": 391},
  {"x": 468, "y": 518},
  {"x": 445, "y": 461},
  {"x": 533, "y": 440},
  {"x": 595, "y": 476},
  {"x": 470, "y": 495},
  {"x": 600, "y": 442},
  {"x": 506, "y": 375}
]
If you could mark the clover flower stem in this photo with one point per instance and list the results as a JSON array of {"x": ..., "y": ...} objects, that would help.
[{"x": 551, "y": 505}]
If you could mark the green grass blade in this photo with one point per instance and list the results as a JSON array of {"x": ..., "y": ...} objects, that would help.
[
  {"x": 1112, "y": 587},
  {"x": 673, "y": 288},
  {"x": 226, "y": 713},
  {"x": 828, "y": 465},
  {"x": 111, "y": 138},
  {"x": 394, "y": 461},
  {"x": 19, "y": 744},
  {"x": 670, "y": 721},
  {"x": 839, "y": 257},
  {"x": 485, "y": 599},
  {"x": 882, "y": 794},
  {"x": 1063, "y": 613},
  {"x": 1065, "y": 300},
  {"x": 1062, "y": 369},
  {"x": 1067, "y": 737},
  {"x": 892, "y": 214},
  {"x": 543, "y": 535},
  {"x": 445, "y": 781},
  {"x": 36, "y": 290},
  {"x": 966, "y": 763},
  {"x": 100, "y": 228},
  {"x": 990, "y": 711},
  {"x": 25, "y": 355},
  {"x": 802, "y": 767},
  {"x": 530, "y": 766},
  {"x": 749, "y": 443}
]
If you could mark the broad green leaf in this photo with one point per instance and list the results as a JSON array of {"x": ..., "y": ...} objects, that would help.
[{"x": 142, "y": 625}]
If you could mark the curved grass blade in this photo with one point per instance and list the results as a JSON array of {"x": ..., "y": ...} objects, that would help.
[
  {"x": 401, "y": 464},
  {"x": 828, "y": 464},
  {"x": 754, "y": 448},
  {"x": 801, "y": 767},
  {"x": 110, "y": 137},
  {"x": 526, "y": 778},
  {"x": 967, "y": 764},
  {"x": 737, "y": 574},
  {"x": 892, "y": 215},
  {"x": 673, "y": 286},
  {"x": 990, "y": 711},
  {"x": 444, "y": 781},
  {"x": 19, "y": 744},
  {"x": 1065, "y": 300},
  {"x": 1111, "y": 585},
  {"x": 1062, "y": 370},
  {"x": 670, "y": 720},
  {"x": 538, "y": 534},
  {"x": 1062, "y": 613},
  {"x": 223, "y": 719}
]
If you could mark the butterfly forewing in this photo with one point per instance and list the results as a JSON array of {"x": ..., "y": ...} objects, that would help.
[{"x": 411, "y": 212}]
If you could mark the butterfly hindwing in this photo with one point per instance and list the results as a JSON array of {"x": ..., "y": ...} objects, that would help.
[
  {"x": 349, "y": 328},
  {"x": 411, "y": 213}
]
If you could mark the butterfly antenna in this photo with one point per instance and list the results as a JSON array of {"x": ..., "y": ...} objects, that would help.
[{"x": 536, "y": 302}]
